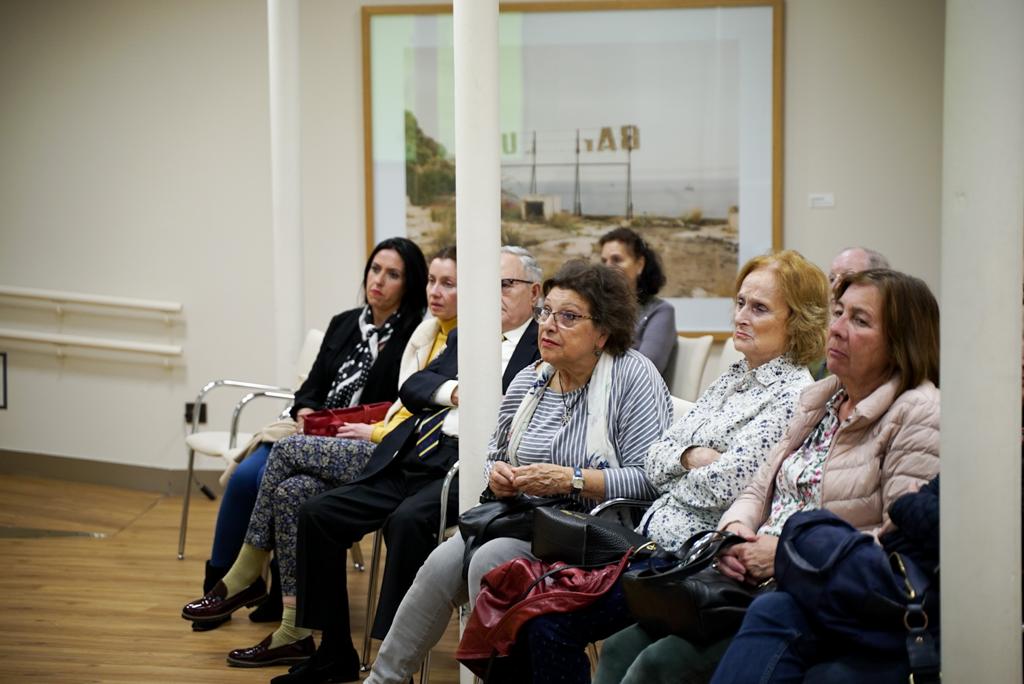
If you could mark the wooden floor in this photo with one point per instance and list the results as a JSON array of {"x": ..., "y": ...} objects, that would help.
[{"x": 107, "y": 609}]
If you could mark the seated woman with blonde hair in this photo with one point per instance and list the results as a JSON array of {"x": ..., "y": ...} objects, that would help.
[{"x": 859, "y": 440}]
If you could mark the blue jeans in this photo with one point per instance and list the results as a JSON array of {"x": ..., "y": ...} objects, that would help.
[
  {"x": 236, "y": 507},
  {"x": 778, "y": 644}
]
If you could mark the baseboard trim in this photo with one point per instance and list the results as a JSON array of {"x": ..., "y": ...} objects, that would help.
[{"x": 142, "y": 478}]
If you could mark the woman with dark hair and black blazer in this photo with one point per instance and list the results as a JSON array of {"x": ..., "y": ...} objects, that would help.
[
  {"x": 358, "y": 363},
  {"x": 655, "y": 334}
]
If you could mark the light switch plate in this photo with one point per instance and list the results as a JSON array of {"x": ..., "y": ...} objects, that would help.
[{"x": 821, "y": 200}]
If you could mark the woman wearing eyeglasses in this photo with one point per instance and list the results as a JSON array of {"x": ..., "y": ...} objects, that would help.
[
  {"x": 576, "y": 425},
  {"x": 655, "y": 333},
  {"x": 710, "y": 454}
]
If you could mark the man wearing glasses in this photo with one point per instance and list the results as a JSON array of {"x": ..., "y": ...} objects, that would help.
[
  {"x": 399, "y": 490},
  {"x": 520, "y": 291}
]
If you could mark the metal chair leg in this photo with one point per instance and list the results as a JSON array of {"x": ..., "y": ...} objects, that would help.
[
  {"x": 425, "y": 670},
  {"x": 185, "y": 503},
  {"x": 446, "y": 486},
  {"x": 371, "y": 599},
  {"x": 357, "y": 557}
]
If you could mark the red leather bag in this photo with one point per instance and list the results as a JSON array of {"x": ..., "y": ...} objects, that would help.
[
  {"x": 520, "y": 590},
  {"x": 325, "y": 423}
]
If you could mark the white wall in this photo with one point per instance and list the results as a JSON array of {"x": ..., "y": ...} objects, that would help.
[
  {"x": 135, "y": 163},
  {"x": 136, "y": 158},
  {"x": 863, "y": 120}
]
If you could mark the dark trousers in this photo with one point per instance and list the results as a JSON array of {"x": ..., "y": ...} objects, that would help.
[
  {"x": 404, "y": 499},
  {"x": 558, "y": 641}
]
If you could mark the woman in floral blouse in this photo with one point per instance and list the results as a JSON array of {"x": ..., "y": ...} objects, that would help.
[
  {"x": 858, "y": 441},
  {"x": 711, "y": 454}
]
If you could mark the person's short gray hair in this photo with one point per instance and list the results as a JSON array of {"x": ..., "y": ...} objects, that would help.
[
  {"x": 875, "y": 259},
  {"x": 530, "y": 265}
]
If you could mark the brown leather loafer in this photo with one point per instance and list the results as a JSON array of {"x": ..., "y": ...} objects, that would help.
[
  {"x": 215, "y": 605},
  {"x": 262, "y": 655}
]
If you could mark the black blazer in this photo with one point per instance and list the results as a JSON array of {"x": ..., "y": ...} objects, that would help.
[
  {"x": 416, "y": 394},
  {"x": 525, "y": 353},
  {"x": 418, "y": 391},
  {"x": 420, "y": 387},
  {"x": 341, "y": 337}
]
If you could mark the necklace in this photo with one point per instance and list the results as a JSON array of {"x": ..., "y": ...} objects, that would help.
[{"x": 569, "y": 408}]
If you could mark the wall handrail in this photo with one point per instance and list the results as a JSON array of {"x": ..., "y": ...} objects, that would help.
[
  {"x": 58, "y": 297},
  {"x": 62, "y": 340}
]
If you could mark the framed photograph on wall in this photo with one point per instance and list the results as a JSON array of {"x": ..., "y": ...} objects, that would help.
[{"x": 662, "y": 116}]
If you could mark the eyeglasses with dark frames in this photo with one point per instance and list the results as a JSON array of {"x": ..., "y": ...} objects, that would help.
[
  {"x": 563, "y": 319},
  {"x": 509, "y": 283}
]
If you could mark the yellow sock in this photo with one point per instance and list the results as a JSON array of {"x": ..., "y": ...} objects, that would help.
[
  {"x": 288, "y": 633},
  {"x": 246, "y": 569}
]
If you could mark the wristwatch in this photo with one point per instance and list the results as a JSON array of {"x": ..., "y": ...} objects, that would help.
[{"x": 577, "y": 481}]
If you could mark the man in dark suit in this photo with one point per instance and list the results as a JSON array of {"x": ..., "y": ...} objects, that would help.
[{"x": 400, "y": 488}]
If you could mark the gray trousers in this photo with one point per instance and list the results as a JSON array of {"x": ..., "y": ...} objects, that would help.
[{"x": 427, "y": 607}]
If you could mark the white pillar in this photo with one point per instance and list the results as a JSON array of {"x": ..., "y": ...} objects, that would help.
[
  {"x": 982, "y": 216},
  {"x": 478, "y": 234},
  {"x": 286, "y": 186}
]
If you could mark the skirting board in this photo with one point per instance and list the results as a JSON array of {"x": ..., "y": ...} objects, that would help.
[{"x": 171, "y": 482}]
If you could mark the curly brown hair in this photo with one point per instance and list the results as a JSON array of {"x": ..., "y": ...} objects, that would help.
[{"x": 612, "y": 305}]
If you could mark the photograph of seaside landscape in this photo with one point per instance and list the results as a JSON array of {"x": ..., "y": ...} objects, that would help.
[
  {"x": 637, "y": 145},
  {"x": 653, "y": 137}
]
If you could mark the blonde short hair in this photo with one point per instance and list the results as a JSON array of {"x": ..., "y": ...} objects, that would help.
[{"x": 806, "y": 292}]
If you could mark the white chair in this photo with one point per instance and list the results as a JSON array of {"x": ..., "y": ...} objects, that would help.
[
  {"x": 687, "y": 365},
  {"x": 680, "y": 407},
  {"x": 712, "y": 370},
  {"x": 225, "y": 445}
]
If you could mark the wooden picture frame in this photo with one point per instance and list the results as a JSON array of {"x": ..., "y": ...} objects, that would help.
[{"x": 665, "y": 116}]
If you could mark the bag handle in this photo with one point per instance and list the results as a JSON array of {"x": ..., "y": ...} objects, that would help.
[
  {"x": 697, "y": 552},
  {"x": 923, "y": 656}
]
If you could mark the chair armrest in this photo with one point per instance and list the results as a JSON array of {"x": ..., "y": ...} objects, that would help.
[
  {"x": 242, "y": 384},
  {"x": 236, "y": 414},
  {"x": 622, "y": 507},
  {"x": 446, "y": 487},
  {"x": 620, "y": 502}
]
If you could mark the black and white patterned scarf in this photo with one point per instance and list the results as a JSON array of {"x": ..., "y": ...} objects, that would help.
[{"x": 348, "y": 384}]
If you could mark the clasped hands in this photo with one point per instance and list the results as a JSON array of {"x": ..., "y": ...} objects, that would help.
[
  {"x": 752, "y": 561},
  {"x": 538, "y": 479}
]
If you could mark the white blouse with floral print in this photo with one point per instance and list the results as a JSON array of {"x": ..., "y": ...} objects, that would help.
[
  {"x": 798, "y": 482},
  {"x": 742, "y": 415}
]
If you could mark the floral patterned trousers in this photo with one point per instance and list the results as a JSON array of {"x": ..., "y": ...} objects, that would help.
[{"x": 299, "y": 467}]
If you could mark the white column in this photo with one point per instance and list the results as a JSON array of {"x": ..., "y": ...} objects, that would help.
[
  {"x": 982, "y": 246},
  {"x": 285, "y": 137},
  {"x": 478, "y": 234}
]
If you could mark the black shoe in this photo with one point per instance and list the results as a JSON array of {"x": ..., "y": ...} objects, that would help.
[
  {"x": 322, "y": 667},
  {"x": 213, "y": 574},
  {"x": 271, "y": 609}
]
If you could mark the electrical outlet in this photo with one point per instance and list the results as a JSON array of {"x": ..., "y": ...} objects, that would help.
[{"x": 190, "y": 408}]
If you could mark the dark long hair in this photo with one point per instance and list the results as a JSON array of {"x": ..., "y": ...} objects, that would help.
[
  {"x": 414, "y": 294},
  {"x": 652, "y": 277}
]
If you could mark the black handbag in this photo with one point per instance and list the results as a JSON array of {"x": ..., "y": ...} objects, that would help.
[
  {"x": 580, "y": 538},
  {"x": 495, "y": 518},
  {"x": 688, "y": 597}
]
